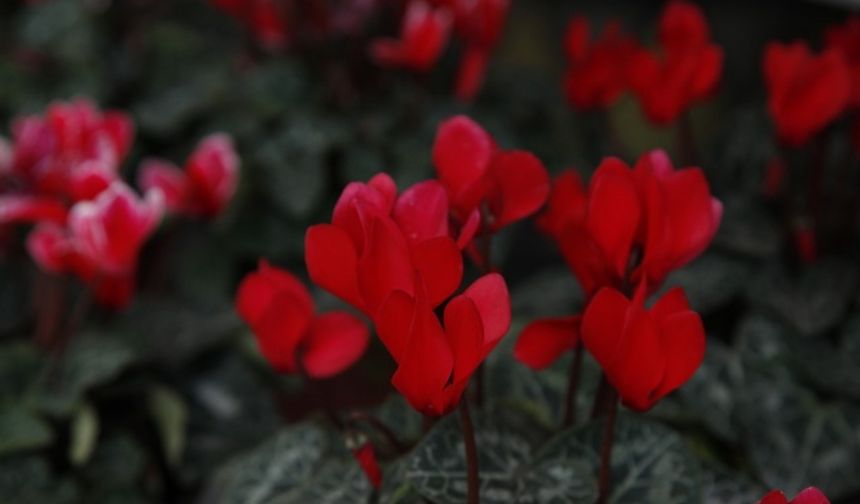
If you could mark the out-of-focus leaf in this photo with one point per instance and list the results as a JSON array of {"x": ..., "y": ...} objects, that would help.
[
  {"x": 553, "y": 292},
  {"x": 20, "y": 364},
  {"x": 723, "y": 486},
  {"x": 650, "y": 463},
  {"x": 91, "y": 359},
  {"x": 747, "y": 228},
  {"x": 202, "y": 268},
  {"x": 812, "y": 302},
  {"x": 165, "y": 330},
  {"x": 396, "y": 489},
  {"x": 167, "y": 111},
  {"x": 437, "y": 466},
  {"x": 28, "y": 480},
  {"x": 338, "y": 481},
  {"x": 794, "y": 441},
  {"x": 710, "y": 282},
  {"x": 118, "y": 463},
  {"x": 279, "y": 465},
  {"x": 171, "y": 416},
  {"x": 84, "y": 434},
  {"x": 62, "y": 28},
  {"x": 21, "y": 430},
  {"x": 400, "y": 417},
  {"x": 711, "y": 393},
  {"x": 763, "y": 344}
]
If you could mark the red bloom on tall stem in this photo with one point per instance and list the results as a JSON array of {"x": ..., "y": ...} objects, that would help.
[
  {"x": 811, "y": 495},
  {"x": 101, "y": 241},
  {"x": 596, "y": 74},
  {"x": 630, "y": 226},
  {"x": 206, "y": 184},
  {"x": 685, "y": 71},
  {"x": 805, "y": 91},
  {"x": 423, "y": 37},
  {"x": 291, "y": 336},
  {"x": 845, "y": 38},
  {"x": 644, "y": 353},
  {"x": 483, "y": 182},
  {"x": 435, "y": 363}
]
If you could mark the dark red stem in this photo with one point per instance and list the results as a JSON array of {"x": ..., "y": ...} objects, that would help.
[
  {"x": 604, "y": 481},
  {"x": 471, "y": 453},
  {"x": 572, "y": 387}
]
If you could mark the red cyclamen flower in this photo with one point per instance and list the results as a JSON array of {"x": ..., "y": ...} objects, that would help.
[
  {"x": 291, "y": 336},
  {"x": 207, "y": 183},
  {"x": 484, "y": 183},
  {"x": 596, "y": 74},
  {"x": 630, "y": 227},
  {"x": 811, "y": 495},
  {"x": 644, "y": 353},
  {"x": 73, "y": 151},
  {"x": 435, "y": 363},
  {"x": 424, "y": 35},
  {"x": 378, "y": 240},
  {"x": 101, "y": 241},
  {"x": 805, "y": 92},
  {"x": 845, "y": 38},
  {"x": 687, "y": 69},
  {"x": 479, "y": 24}
]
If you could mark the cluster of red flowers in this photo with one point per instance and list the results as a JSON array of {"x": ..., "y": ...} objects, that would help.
[
  {"x": 685, "y": 70},
  {"x": 621, "y": 238},
  {"x": 428, "y": 25},
  {"x": 809, "y": 496},
  {"x": 63, "y": 174},
  {"x": 807, "y": 92}
]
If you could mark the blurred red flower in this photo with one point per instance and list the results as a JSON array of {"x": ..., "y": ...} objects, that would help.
[
  {"x": 686, "y": 70},
  {"x": 424, "y": 35},
  {"x": 596, "y": 74},
  {"x": 72, "y": 152},
  {"x": 508, "y": 185},
  {"x": 644, "y": 353},
  {"x": 207, "y": 183},
  {"x": 101, "y": 241},
  {"x": 845, "y": 38},
  {"x": 811, "y": 495},
  {"x": 267, "y": 19},
  {"x": 805, "y": 91},
  {"x": 291, "y": 336},
  {"x": 435, "y": 363}
]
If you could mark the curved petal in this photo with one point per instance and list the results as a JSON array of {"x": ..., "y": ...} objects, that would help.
[
  {"x": 462, "y": 152},
  {"x": 335, "y": 341},
  {"x": 421, "y": 211},
  {"x": 385, "y": 266},
  {"x": 281, "y": 330},
  {"x": 614, "y": 212},
  {"x": 682, "y": 337},
  {"x": 465, "y": 334},
  {"x": 544, "y": 341},
  {"x": 440, "y": 265},
  {"x": 491, "y": 298},
  {"x": 520, "y": 187},
  {"x": 332, "y": 262}
]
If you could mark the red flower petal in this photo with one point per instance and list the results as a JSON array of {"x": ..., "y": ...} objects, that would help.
[
  {"x": 440, "y": 265},
  {"x": 170, "y": 180},
  {"x": 810, "y": 495},
  {"x": 421, "y": 211},
  {"x": 259, "y": 288},
  {"x": 491, "y": 298},
  {"x": 335, "y": 341},
  {"x": 521, "y": 187},
  {"x": 462, "y": 153},
  {"x": 332, "y": 262},
  {"x": 544, "y": 341},
  {"x": 465, "y": 333},
  {"x": 280, "y": 331},
  {"x": 774, "y": 497},
  {"x": 566, "y": 205},
  {"x": 25, "y": 209},
  {"x": 385, "y": 266},
  {"x": 366, "y": 458},
  {"x": 470, "y": 228},
  {"x": 603, "y": 325},
  {"x": 394, "y": 323},
  {"x": 682, "y": 338},
  {"x": 614, "y": 212}
]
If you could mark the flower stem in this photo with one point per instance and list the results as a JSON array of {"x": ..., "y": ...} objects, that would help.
[
  {"x": 471, "y": 453},
  {"x": 572, "y": 387},
  {"x": 604, "y": 479}
]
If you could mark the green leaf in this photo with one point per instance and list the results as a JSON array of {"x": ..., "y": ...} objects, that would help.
[
  {"x": 28, "y": 480},
  {"x": 812, "y": 302},
  {"x": 279, "y": 465},
  {"x": 20, "y": 364},
  {"x": 723, "y": 486},
  {"x": 650, "y": 463},
  {"x": 763, "y": 344},
  {"x": 748, "y": 228},
  {"x": 91, "y": 359},
  {"x": 171, "y": 416},
  {"x": 710, "y": 282},
  {"x": 118, "y": 463},
  {"x": 794, "y": 441},
  {"x": 21, "y": 430},
  {"x": 337, "y": 481},
  {"x": 437, "y": 466},
  {"x": 84, "y": 434},
  {"x": 62, "y": 28},
  {"x": 710, "y": 394}
]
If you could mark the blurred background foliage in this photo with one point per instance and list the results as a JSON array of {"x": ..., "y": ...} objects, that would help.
[{"x": 170, "y": 402}]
